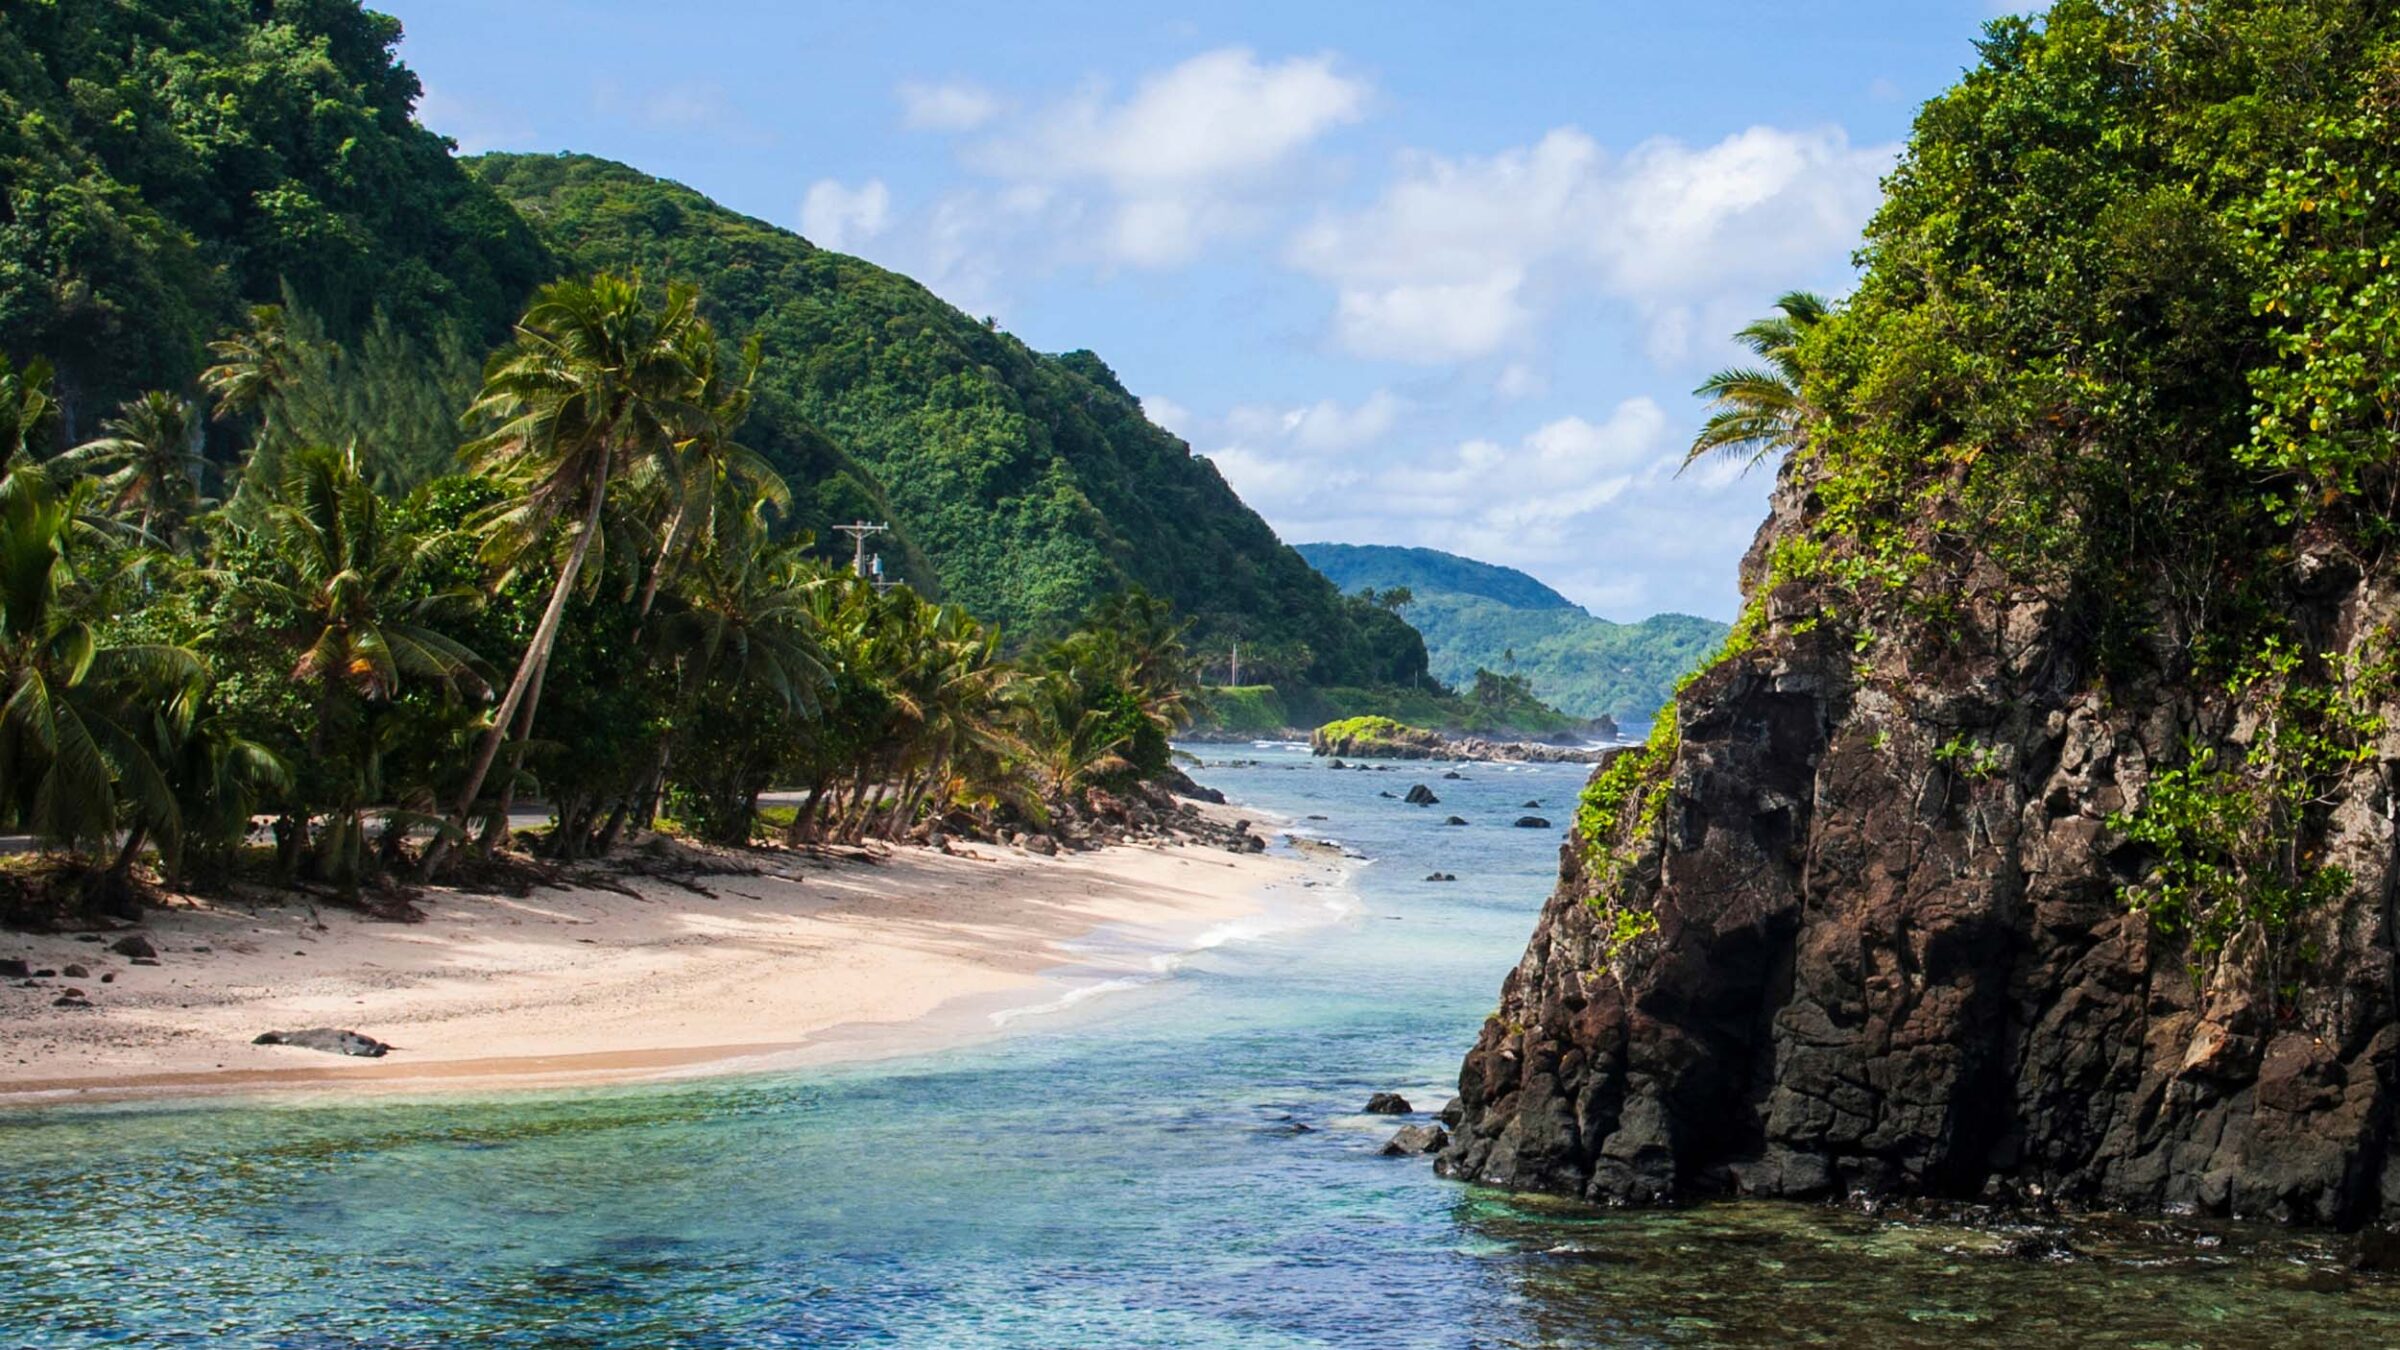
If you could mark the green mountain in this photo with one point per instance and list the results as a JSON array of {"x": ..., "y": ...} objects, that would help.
[
  {"x": 1032, "y": 482},
  {"x": 1478, "y": 615},
  {"x": 169, "y": 165}
]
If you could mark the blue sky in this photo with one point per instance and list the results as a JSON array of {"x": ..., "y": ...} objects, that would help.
[{"x": 1411, "y": 274}]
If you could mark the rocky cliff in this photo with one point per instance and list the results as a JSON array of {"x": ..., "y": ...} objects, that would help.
[{"x": 1923, "y": 915}]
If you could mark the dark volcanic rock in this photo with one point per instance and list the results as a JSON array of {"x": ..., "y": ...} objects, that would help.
[
  {"x": 1878, "y": 946},
  {"x": 1455, "y": 820},
  {"x": 1420, "y": 795},
  {"x": 1451, "y": 1113},
  {"x": 1532, "y": 823},
  {"x": 328, "y": 1039},
  {"x": 133, "y": 944},
  {"x": 1387, "y": 1104},
  {"x": 1454, "y": 775},
  {"x": 1413, "y": 1140},
  {"x": 1531, "y": 804},
  {"x": 1440, "y": 876},
  {"x": 13, "y": 969},
  {"x": 76, "y": 972}
]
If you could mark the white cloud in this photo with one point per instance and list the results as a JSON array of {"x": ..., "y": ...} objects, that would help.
[
  {"x": 1184, "y": 158},
  {"x": 945, "y": 107},
  {"x": 842, "y": 218},
  {"x": 1589, "y": 504},
  {"x": 1166, "y": 412},
  {"x": 477, "y": 126},
  {"x": 1458, "y": 256},
  {"x": 1519, "y": 380}
]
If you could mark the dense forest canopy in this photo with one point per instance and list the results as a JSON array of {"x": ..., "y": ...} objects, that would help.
[{"x": 167, "y": 163}]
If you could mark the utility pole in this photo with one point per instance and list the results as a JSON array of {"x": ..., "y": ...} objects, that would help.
[
  {"x": 1236, "y": 680},
  {"x": 860, "y": 532}
]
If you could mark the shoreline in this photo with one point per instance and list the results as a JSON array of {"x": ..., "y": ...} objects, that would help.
[{"x": 808, "y": 963}]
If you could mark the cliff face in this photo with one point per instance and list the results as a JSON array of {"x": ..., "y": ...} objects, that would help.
[{"x": 1893, "y": 953}]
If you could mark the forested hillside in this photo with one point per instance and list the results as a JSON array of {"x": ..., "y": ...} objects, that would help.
[
  {"x": 167, "y": 164},
  {"x": 1475, "y": 615},
  {"x": 1033, "y": 482},
  {"x": 171, "y": 166}
]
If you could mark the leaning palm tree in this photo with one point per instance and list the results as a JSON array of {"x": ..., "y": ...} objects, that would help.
[
  {"x": 595, "y": 381},
  {"x": 148, "y": 463},
  {"x": 255, "y": 367},
  {"x": 1758, "y": 411},
  {"x": 708, "y": 467}
]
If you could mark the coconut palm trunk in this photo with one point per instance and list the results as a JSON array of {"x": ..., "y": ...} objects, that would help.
[{"x": 537, "y": 658}]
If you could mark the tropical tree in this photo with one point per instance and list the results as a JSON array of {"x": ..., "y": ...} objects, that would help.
[
  {"x": 74, "y": 767},
  {"x": 147, "y": 464},
  {"x": 742, "y": 635},
  {"x": 595, "y": 380},
  {"x": 28, "y": 411},
  {"x": 329, "y": 560},
  {"x": 1758, "y": 411}
]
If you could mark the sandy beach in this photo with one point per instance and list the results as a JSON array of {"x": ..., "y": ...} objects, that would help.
[{"x": 809, "y": 960}]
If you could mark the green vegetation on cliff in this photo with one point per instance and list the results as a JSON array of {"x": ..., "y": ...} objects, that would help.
[
  {"x": 1477, "y": 616},
  {"x": 2125, "y": 346}
]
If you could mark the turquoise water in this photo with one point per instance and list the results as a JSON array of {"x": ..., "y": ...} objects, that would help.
[{"x": 1123, "y": 1174}]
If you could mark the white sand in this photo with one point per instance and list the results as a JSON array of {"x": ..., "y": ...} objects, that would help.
[{"x": 816, "y": 959}]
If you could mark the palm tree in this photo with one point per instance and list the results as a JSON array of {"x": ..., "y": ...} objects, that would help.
[
  {"x": 1759, "y": 410},
  {"x": 28, "y": 412},
  {"x": 74, "y": 769},
  {"x": 594, "y": 381},
  {"x": 338, "y": 565},
  {"x": 149, "y": 460},
  {"x": 255, "y": 367},
  {"x": 709, "y": 466},
  {"x": 742, "y": 634}
]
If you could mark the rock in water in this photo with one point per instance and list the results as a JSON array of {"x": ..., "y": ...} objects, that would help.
[
  {"x": 329, "y": 1039},
  {"x": 1859, "y": 929},
  {"x": 1450, "y": 1114},
  {"x": 1420, "y": 795},
  {"x": 1440, "y": 876},
  {"x": 1388, "y": 1104},
  {"x": 1532, "y": 823},
  {"x": 1455, "y": 820},
  {"x": 1414, "y": 1140},
  {"x": 1533, "y": 804}
]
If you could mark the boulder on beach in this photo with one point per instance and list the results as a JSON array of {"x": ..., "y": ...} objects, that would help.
[
  {"x": 1420, "y": 795},
  {"x": 332, "y": 1040},
  {"x": 1388, "y": 1104},
  {"x": 1416, "y": 1140},
  {"x": 133, "y": 944}
]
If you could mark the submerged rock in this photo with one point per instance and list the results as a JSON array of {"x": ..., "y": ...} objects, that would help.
[
  {"x": 1387, "y": 1104},
  {"x": 329, "y": 1039},
  {"x": 1455, "y": 820},
  {"x": 1420, "y": 795},
  {"x": 1532, "y": 823},
  {"x": 1440, "y": 876}
]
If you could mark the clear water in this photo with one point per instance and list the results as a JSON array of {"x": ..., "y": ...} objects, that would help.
[{"x": 1123, "y": 1173}]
